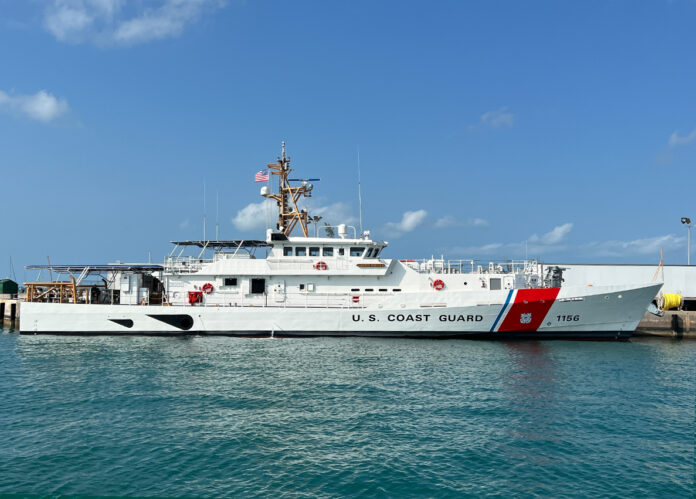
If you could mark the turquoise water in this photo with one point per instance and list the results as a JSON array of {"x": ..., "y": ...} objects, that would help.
[{"x": 329, "y": 417}]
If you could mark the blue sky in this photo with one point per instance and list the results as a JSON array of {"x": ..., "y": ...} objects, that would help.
[{"x": 480, "y": 125}]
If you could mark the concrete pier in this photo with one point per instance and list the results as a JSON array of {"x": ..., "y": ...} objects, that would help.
[
  {"x": 9, "y": 311},
  {"x": 674, "y": 324}
]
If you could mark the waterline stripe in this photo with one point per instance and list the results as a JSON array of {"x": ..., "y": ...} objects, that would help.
[{"x": 507, "y": 300}]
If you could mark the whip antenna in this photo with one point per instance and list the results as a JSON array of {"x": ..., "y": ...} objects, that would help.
[
  {"x": 204, "y": 213},
  {"x": 359, "y": 194}
]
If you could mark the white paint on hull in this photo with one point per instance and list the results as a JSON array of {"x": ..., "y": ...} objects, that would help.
[{"x": 591, "y": 309}]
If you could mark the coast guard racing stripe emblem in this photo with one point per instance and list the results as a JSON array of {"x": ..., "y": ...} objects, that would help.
[{"x": 529, "y": 310}]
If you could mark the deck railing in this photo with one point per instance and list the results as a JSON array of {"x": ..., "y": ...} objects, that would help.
[{"x": 462, "y": 266}]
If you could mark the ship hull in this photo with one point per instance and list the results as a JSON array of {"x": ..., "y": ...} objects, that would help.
[{"x": 583, "y": 313}]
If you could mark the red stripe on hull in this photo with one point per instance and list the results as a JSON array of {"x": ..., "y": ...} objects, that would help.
[{"x": 529, "y": 310}]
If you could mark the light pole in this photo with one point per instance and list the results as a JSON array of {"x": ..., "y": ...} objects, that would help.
[
  {"x": 316, "y": 222},
  {"x": 687, "y": 221}
]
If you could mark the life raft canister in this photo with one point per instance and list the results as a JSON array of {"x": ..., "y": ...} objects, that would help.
[
  {"x": 320, "y": 266},
  {"x": 438, "y": 284},
  {"x": 207, "y": 288}
]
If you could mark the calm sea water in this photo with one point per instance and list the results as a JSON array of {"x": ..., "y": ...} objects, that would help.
[{"x": 331, "y": 417}]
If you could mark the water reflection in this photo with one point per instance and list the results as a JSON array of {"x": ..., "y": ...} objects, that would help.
[{"x": 531, "y": 387}]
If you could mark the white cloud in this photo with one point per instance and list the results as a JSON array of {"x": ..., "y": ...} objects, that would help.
[
  {"x": 553, "y": 237},
  {"x": 676, "y": 140},
  {"x": 41, "y": 106},
  {"x": 450, "y": 221},
  {"x": 265, "y": 213},
  {"x": 496, "y": 119},
  {"x": 121, "y": 22},
  {"x": 409, "y": 221},
  {"x": 256, "y": 215},
  {"x": 535, "y": 245},
  {"x": 332, "y": 214},
  {"x": 552, "y": 242},
  {"x": 644, "y": 246}
]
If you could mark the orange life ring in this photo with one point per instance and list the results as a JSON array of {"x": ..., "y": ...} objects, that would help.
[
  {"x": 438, "y": 284},
  {"x": 320, "y": 266},
  {"x": 207, "y": 288},
  {"x": 356, "y": 299}
]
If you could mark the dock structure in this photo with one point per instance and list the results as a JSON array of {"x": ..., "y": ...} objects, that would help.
[
  {"x": 674, "y": 324},
  {"x": 9, "y": 301},
  {"x": 9, "y": 309}
]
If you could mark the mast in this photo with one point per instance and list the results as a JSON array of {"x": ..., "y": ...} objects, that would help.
[{"x": 289, "y": 215}]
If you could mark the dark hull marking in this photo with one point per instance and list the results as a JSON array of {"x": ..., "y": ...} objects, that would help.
[
  {"x": 123, "y": 322},
  {"x": 181, "y": 321}
]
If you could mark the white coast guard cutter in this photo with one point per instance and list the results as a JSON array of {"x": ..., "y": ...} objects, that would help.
[{"x": 310, "y": 286}]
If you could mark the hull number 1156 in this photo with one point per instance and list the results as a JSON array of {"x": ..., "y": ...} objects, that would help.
[{"x": 568, "y": 318}]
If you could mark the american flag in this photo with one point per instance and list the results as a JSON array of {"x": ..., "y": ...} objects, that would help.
[{"x": 261, "y": 176}]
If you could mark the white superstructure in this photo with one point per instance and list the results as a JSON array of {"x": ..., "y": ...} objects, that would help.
[{"x": 286, "y": 285}]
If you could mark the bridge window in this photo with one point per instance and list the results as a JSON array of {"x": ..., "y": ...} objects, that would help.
[
  {"x": 287, "y": 250},
  {"x": 230, "y": 281},
  {"x": 341, "y": 251},
  {"x": 369, "y": 253},
  {"x": 328, "y": 251},
  {"x": 356, "y": 251},
  {"x": 313, "y": 251},
  {"x": 300, "y": 251}
]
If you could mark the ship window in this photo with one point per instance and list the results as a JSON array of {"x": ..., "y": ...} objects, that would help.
[
  {"x": 313, "y": 251},
  {"x": 396, "y": 290},
  {"x": 369, "y": 289},
  {"x": 355, "y": 289},
  {"x": 341, "y": 251},
  {"x": 495, "y": 283},
  {"x": 230, "y": 281},
  {"x": 328, "y": 251},
  {"x": 356, "y": 251},
  {"x": 300, "y": 251},
  {"x": 301, "y": 287},
  {"x": 287, "y": 250},
  {"x": 377, "y": 252},
  {"x": 258, "y": 286},
  {"x": 369, "y": 253},
  {"x": 383, "y": 289}
]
